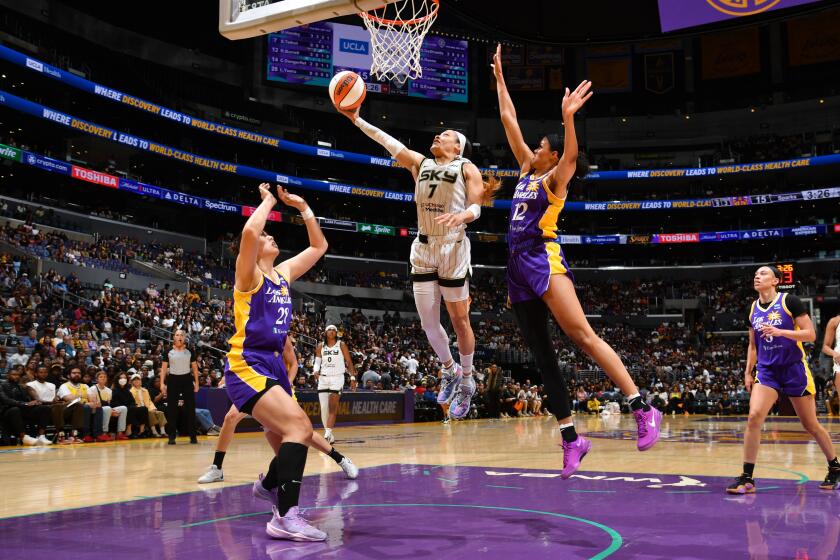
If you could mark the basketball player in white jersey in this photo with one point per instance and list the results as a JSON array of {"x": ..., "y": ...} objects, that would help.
[
  {"x": 831, "y": 347},
  {"x": 332, "y": 359},
  {"x": 449, "y": 192}
]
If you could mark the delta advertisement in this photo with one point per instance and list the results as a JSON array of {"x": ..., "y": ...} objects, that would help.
[{"x": 111, "y": 181}]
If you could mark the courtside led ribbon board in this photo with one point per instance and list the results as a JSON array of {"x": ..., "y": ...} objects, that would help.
[
  {"x": 106, "y": 180},
  {"x": 679, "y": 14},
  {"x": 227, "y": 131},
  {"x": 105, "y": 133}
]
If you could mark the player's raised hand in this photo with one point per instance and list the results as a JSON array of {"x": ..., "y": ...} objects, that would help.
[
  {"x": 497, "y": 63},
  {"x": 265, "y": 192},
  {"x": 351, "y": 114},
  {"x": 290, "y": 199},
  {"x": 573, "y": 101}
]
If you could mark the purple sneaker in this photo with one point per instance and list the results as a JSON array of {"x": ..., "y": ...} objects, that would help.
[
  {"x": 449, "y": 383},
  {"x": 261, "y": 493},
  {"x": 649, "y": 423},
  {"x": 460, "y": 405},
  {"x": 292, "y": 527},
  {"x": 573, "y": 454}
]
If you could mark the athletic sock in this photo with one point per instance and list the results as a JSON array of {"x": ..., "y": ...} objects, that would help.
[
  {"x": 447, "y": 370},
  {"x": 269, "y": 481},
  {"x": 291, "y": 462},
  {"x": 335, "y": 455},
  {"x": 466, "y": 364},
  {"x": 748, "y": 469},
  {"x": 637, "y": 403},
  {"x": 218, "y": 459},
  {"x": 568, "y": 432},
  {"x": 834, "y": 464}
]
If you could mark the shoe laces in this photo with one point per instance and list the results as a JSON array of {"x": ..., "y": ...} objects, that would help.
[
  {"x": 567, "y": 447},
  {"x": 641, "y": 422}
]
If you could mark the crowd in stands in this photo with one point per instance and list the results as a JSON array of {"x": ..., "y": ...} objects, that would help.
[
  {"x": 115, "y": 253},
  {"x": 58, "y": 325}
]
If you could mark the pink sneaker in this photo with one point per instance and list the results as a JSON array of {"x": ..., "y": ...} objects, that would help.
[
  {"x": 261, "y": 493},
  {"x": 649, "y": 423},
  {"x": 573, "y": 454},
  {"x": 292, "y": 527}
]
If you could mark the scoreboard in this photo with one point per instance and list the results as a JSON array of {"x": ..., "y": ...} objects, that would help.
[
  {"x": 788, "y": 281},
  {"x": 313, "y": 54}
]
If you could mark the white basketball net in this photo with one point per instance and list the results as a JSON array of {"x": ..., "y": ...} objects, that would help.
[{"x": 397, "y": 33}]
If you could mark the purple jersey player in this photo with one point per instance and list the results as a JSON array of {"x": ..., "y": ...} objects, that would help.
[
  {"x": 778, "y": 325},
  {"x": 255, "y": 375},
  {"x": 539, "y": 279}
]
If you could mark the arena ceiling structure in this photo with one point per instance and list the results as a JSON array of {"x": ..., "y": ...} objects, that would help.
[{"x": 550, "y": 22}]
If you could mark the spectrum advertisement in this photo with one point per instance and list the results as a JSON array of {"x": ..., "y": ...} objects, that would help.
[{"x": 313, "y": 54}]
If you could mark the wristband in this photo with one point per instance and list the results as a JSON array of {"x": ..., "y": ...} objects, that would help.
[
  {"x": 475, "y": 210},
  {"x": 391, "y": 144},
  {"x": 307, "y": 214}
]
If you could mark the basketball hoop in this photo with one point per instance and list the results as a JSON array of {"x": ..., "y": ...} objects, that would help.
[{"x": 397, "y": 31}]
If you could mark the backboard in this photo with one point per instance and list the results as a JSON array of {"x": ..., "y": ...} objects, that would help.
[{"x": 241, "y": 19}]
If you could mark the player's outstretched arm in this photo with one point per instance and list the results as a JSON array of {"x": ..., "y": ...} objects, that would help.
[
  {"x": 297, "y": 266},
  {"x": 521, "y": 151},
  {"x": 565, "y": 169},
  {"x": 247, "y": 273},
  {"x": 409, "y": 159}
]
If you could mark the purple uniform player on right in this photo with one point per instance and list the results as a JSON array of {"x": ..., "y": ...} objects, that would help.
[
  {"x": 779, "y": 324},
  {"x": 539, "y": 279}
]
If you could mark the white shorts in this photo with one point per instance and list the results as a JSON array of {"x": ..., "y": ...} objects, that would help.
[
  {"x": 330, "y": 383},
  {"x": 447, "y": 262}
]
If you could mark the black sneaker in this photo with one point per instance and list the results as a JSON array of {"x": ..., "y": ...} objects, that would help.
[
  {"x": 831, "y": 479},
  {"x": 171, "y": 441},
  {"x": 742, "y": 485}
]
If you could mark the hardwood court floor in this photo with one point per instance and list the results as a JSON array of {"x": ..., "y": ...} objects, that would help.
[{"x": 55, "y": 478}]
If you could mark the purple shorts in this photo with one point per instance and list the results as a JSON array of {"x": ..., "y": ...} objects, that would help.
[
  {"x": 794, "y": 380},
  {"x": 529, "y": 270},
  {"x": 249, "y": 374}
]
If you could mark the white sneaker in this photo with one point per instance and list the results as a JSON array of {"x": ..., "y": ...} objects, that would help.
[
  {"x": 29, "y": 440},
  {"x": 213, "y": 474},
  {"x": 351, "y": 470},
  {"x": 43, "y": 440},
  {"x": 328, "y": 435}
]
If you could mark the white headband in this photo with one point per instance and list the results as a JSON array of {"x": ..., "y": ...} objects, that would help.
[{"x": 463, "y": 140}]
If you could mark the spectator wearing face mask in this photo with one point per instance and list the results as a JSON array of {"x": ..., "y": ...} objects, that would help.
[
  {"x": 101, "y": 393},
  {"x": 136, "y": 416}
]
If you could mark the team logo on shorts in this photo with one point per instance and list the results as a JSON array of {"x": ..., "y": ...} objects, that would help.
[{"x": 742, "y": 7}]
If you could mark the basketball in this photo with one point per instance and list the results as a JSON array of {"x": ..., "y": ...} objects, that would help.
[{"x": 347, "y": 90}]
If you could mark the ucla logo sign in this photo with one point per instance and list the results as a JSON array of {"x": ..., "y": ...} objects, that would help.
[
  {"x": 742, "y": 7},
  {"x": 352, "y": 46}
]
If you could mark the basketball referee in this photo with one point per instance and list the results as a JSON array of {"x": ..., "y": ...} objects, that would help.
[{"x": 179, "y": 382}]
